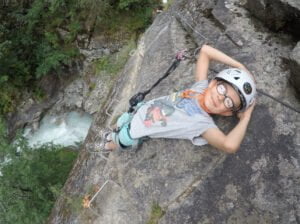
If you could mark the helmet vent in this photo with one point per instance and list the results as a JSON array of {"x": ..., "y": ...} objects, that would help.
[
  {"x": 247, "y": 88},
  {"x": 236, "y": 78}
]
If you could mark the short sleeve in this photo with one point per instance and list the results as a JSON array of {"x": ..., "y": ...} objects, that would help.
[{"x": 199, "y": 140}]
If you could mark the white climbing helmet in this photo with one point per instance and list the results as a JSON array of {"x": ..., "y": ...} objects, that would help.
[{"x": 242, "y": 82}]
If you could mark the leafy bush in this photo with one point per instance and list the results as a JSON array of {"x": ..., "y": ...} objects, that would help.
[
  {"x": 31, "y": 44},
  {"x": 137, "y": 4},
  {"x": 30, "y": 179}
]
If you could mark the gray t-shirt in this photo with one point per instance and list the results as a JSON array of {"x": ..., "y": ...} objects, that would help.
[{"x": 173, "y": 117}]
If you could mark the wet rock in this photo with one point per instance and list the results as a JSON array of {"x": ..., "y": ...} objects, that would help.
[
  {"x": 27, "y": 116},
  {"x": 31, "y": 111},
  {"x": 76, "y": 86},
  {"x": 70, "y": 98}
]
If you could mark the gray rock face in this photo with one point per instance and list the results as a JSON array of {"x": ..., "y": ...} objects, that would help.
[
  {"x": 258, "y": 184},
  {"x": 277, "y": 14}
]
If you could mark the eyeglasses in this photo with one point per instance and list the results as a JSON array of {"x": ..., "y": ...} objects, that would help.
[{"x": 228, "y": 102}]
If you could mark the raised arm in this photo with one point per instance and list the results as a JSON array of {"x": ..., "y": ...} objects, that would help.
[
  {"x": 208, "y": 53},
  {"x": 231, "y": 142}
]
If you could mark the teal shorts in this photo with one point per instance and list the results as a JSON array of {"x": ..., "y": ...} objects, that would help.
[{"x": 123, "y": 138}]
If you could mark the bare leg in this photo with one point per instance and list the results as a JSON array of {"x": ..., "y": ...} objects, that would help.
[{"x": 111, "y": 146}]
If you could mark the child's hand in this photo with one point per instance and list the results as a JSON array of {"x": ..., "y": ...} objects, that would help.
[{"x": 247, "y": 113}]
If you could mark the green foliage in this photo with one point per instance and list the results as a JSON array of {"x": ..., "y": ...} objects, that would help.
[
  {"x": 156, "y": 213},
  {"x": 114, "y": 63},
  {"x": 31, "y": 46},
  {"x": 8, "y": 94},
  {"x": 38, "y": 37},
  {"x": 137, "y": 4},
  {"x": 38, "y": 94},
  {"x": 31, "y": 179},
  {"x": 126, "y": 18}
]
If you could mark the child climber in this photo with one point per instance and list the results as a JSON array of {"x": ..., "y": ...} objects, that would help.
[{"x": 186, "y": 114}]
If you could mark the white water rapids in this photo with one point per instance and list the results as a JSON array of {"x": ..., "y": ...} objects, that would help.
[{"x": 66, "y": 130}]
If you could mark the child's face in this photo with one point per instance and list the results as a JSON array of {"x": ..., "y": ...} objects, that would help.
[{"x": 214, "y": 101}]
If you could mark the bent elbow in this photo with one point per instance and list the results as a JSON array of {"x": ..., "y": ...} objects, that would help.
[
  {"x": 204, "y": 48},
  {"x": 232, "y": 150},
  {"x": 229, "y": 148}
]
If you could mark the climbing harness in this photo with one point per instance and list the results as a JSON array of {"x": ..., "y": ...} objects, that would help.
[
  {"x": 140, "y": 96},
  {"x": 121, "y": 135}
]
